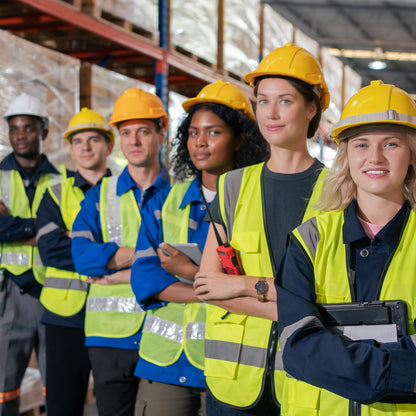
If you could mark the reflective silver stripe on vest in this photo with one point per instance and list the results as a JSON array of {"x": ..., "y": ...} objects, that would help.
[
  {"x": 236, "y": 353},
  {"x": 38, "y": 260},
  {"x": 195, "y": 330},
  {"x": 232, "y": 185},
  {"x": 288, "y": 331},
  {"x": 278, "y": 361},
  {"x": 192, "y": 224},
  {"x": 57, "y": 191},
  {"x": 158, "y": 214},
  {"x": 309, "y": 233},
  {"x": 83, "y": 234},
  {"x": 144, "y": 253},
  {"x": 46, "y": 229},
  {"x": 6, "y": 187},
  {"x": 114, "y": 224},
  {"x": 62, "y": 283},
  {"x": 18, "y": 259},
  {"x": 113, "y": 304},
  {"x": 162, "y": 327}
]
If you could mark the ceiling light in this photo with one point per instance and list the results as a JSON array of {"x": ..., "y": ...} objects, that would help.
[{"x": 377, "y": 65}]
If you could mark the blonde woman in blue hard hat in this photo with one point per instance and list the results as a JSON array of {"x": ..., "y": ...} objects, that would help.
[{"x": 361, "y": 250}]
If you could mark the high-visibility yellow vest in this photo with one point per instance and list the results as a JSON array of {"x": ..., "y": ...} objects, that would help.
[
  {"x": 322, "y": 239},
  {"x": 236, "y": 347},
  {"x": 176, "y": 327},
  {"x": 64, "y": 292},
  {"x": 19, "y": 258},
  {"x": 112, "y": 311}
]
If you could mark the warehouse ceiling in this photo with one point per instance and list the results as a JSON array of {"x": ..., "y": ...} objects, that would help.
[{"x": 386, "y": 29}]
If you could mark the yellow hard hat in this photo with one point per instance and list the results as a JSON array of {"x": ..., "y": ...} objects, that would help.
[
  {"x": 136, "y": 104},
  {"x": 88, "y": 119},
  {"x": 376, "y": 104},
  {"x": 295, "y": 62},
  {"x": 222, "y": 92}
]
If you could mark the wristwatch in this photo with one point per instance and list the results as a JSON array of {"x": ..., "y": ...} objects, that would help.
[{"x": 261, "y": 287}]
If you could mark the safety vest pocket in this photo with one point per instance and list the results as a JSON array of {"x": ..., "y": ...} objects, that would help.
[
  {"x": 302, "y": 398},
  {"x": 246, "y": 242}
]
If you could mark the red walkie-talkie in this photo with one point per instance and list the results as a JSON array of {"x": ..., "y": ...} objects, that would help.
[
  {"x": 229, "y": 259},
  {"x": 228, "y": 256}
]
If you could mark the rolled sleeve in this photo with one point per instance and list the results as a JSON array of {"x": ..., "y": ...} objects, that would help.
[{"x": 16, "y": 228}]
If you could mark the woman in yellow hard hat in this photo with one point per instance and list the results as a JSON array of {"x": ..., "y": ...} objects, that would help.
[
  {"x": 361, "y": 250},
  {"x": 258, "y": 206},
  {"x": 219, "y": 133}
]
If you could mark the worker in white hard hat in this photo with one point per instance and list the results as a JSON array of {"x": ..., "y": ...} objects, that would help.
[
  {"x": 25, "y": 174},
  {"x": 91, "y": 140}
]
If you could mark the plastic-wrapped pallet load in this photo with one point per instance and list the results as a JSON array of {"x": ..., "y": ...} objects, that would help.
[
  {"x": 193, "y": 27},
  {"x": 333, "y": 72},
  {"x": 141, "y": 13},
  {"x": 241, "y": 35},
  {"x": 49, "y": 75},
  {"x": 277, "y": 31},
  {"x": 352, "y": 83}
]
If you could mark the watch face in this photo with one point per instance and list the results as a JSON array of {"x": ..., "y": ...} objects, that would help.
[{"x": 261, "y": 286}]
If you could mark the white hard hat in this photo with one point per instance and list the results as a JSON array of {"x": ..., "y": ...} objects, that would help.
[{"x": 27, "y": 105}]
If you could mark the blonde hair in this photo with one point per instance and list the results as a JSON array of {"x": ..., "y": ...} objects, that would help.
[{"x": 340, "y": 189}]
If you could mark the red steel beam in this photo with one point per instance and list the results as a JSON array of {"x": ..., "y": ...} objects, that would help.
[
  {"x": 69, "y": 14},
  {"x": 28, "y": 19}
]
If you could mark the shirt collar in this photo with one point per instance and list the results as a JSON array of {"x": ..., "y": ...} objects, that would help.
[
  {"x": 81, "y": 182},
  {"x": 192, "y": 194},
  {"x": 125, "y": 181},
  {"x": 10, "y": 163},
  {"x": 390, "y": 234}
]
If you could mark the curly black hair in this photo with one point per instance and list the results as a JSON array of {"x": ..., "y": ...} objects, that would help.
[{"x": 254, "y": 148}]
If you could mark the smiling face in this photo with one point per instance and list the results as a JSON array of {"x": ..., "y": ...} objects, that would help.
[
  {"x": 26, "y": 134},
  {"x": 89, "y": 149},
  {"x": 378, "y": 164},
  {"x": 282, "y": 113},
  {"x": 211, "y": 143},
  {"x": 140, "y": 142}
]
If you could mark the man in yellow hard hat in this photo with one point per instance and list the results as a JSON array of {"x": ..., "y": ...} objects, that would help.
[
  {"x": 25, "y": 174},
  {"x": 64, "y": 292},
  {"x": 104, "y": 237}
]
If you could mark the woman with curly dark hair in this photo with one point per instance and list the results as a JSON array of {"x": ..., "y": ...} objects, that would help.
[
  {"x": 218, "y": 134},
  {"x": 252, "y": 149}
]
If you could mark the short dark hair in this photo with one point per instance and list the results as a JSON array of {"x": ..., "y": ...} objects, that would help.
[{"x": 157, "y": 121}]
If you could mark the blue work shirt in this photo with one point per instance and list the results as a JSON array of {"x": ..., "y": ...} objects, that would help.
[
  {"x": 55, "y": 246},
  {"x": 16, "y": 228},
  {"x": 389, "y": 367},
  {"x": 148, "y": 278},
  {"x": 91, "y": 255}
]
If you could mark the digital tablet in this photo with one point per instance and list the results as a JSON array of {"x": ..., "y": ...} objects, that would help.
[
  {"x": 192, "y": 250},
  {"x": 365, "y": 317}
]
